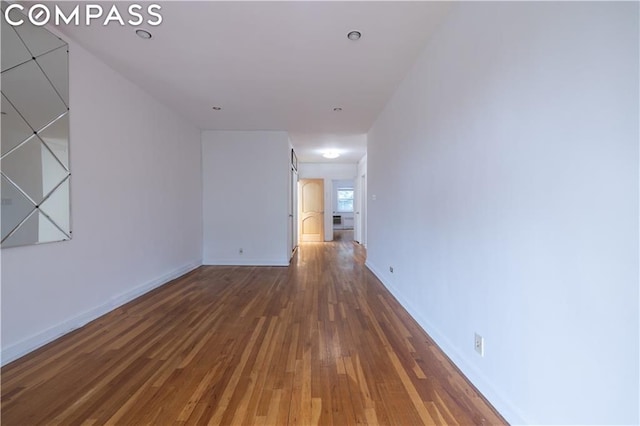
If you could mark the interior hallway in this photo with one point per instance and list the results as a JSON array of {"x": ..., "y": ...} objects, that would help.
[{"x": 319, "y": 342}]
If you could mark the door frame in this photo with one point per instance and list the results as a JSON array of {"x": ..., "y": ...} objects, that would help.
[{"x": 293, "y": 228}]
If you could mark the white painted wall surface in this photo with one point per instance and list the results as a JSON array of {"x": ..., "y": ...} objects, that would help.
[
  {"x": 136, "y": 211},
  {"x": 328, "y": 172},
  {"x": 505, "y": 169},
  {"x": 245, "y": 197}
]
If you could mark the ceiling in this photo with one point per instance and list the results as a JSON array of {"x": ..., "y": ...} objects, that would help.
[{"x": 273, "y": 65}]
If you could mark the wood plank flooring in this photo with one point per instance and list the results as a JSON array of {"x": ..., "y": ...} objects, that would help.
[{"x": 320, "y": 342}]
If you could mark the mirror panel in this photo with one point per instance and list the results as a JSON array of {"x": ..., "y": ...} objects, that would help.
[
  {"x": 36, "y": 229},
  {"x": 36, "y": 39},
  {"x": 56, "y": 137},
  {"x": 56, "y": 207},
  {"x": 34, "y": 164},
  {"x": 29, "y": 91},
  {"x": 34, "y": 169},
  {"x": 56, "y": 67},
  {"x": 14, "y": 52},
  {"x": 15, "y": 207},
  {"x": 14, "y": 129}
]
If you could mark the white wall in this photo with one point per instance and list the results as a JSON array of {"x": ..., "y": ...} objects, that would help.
[
  {"x": 245, "y": 197},
  {"x": 136, "y": 212},
  {"x": 328, "y": 172},
  {"x": 505, "y": 168}
]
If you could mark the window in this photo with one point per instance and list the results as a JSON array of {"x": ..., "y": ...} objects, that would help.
[{"x": 345, "y": 200}]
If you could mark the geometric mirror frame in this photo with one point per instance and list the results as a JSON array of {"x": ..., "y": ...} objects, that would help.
[{"x": 34, "y": 127}]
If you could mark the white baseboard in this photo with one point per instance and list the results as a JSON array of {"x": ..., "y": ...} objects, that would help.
[
  {"x": 500, "y": 403},
  {"x": 17, "y": 350},
  {"x": 243, "y": 262}
]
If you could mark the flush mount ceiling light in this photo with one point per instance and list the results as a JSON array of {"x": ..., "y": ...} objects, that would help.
[
  {"x": 354, "y": 35},
  {"x": 331, "y": 154},
  {"x": 143, "y": 34},
  {"x": 337, "y": 109},
  {"x": 216, "y": 108}
]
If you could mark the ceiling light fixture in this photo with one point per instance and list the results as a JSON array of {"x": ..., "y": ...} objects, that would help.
[
  {"x": 337, "y": 109},
  {"x": 354, "y": 35},
  {"x": 216, "y": 108},
  {"x": 331, "y": 154},
  {"x": 143, "y": 34}
]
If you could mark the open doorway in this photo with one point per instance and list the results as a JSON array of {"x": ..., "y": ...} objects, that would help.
[
  {"x": 293, "y": 211},
  {"x": 343, "y": 201},
  {"x": 361, "y": 211}
]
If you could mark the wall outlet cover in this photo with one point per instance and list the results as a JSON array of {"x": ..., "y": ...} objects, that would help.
[{"x": 479, "y": 344}]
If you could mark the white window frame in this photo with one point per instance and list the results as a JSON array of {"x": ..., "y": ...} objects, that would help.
[{"x": 352, "y": 200}]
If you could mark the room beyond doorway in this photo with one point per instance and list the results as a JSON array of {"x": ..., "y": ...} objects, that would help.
[{"x": 343, "y": 198}]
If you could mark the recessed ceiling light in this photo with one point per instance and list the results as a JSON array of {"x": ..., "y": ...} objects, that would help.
[
  {"x": 216, "y": 108},
  {"x": 354, "y": 35},
  {"x": 337, "y": 109},
  {"x": 143, "y": 34},
  {"x": 331, "y": 154}
]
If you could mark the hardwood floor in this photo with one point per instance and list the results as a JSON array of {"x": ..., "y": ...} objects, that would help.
[
  {"x": 320, "y": 342},
  {"x": 343, "y": 235}
]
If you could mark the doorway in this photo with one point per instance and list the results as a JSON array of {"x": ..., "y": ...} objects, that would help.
[
  {"x": 343, "y": 200},
  {"x": 361, "y": 211},
  {"x": 293, "y": 211}
]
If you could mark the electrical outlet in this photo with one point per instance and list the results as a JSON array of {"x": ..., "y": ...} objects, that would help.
[
  {"x": 479, "y": 344},
  {"x": 391, "y": 269},
  {"x": 241, "y": 251}
]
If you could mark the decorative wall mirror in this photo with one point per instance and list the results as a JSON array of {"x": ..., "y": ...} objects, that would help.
[{"x": 34, "y": 162}]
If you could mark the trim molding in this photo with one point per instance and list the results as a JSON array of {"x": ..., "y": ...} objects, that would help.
[
  {"x": 23, "y": 347},
  {"x": 479, "y": 380},
  {"x": 236, "y": 262}
]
